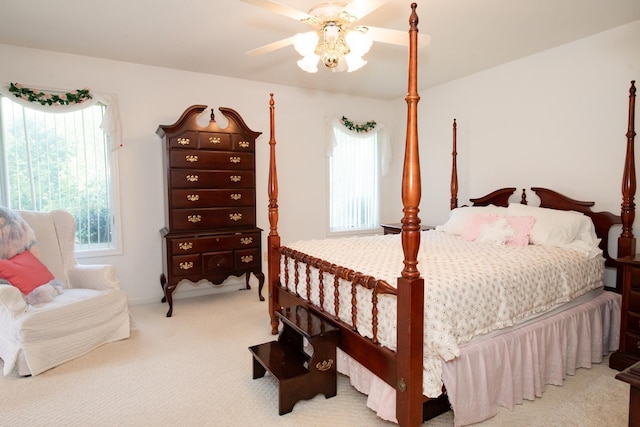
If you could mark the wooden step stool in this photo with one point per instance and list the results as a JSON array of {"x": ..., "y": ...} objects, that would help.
[{"x": 301, "y": 373}]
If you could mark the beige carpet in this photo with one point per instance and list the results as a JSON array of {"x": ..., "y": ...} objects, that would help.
[{"x": 194, "y": 369}]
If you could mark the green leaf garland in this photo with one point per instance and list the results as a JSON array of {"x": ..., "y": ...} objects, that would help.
[
  {"x": 47, "y": 98},
  {"x": 357, "y": 127}
]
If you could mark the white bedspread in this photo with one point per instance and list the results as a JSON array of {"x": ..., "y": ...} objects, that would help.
[{"x": 471, "y": 288}]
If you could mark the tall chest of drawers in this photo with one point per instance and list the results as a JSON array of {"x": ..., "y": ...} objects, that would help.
[
  {"x": 210, "y": 202},
  {"x": 629, "y": 351}
]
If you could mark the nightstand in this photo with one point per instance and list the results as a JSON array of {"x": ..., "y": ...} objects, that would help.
[
  {"x": 396, "y": 228},
  {"x": 629, "y": 351},
  {"x": 631, "y": 376}
]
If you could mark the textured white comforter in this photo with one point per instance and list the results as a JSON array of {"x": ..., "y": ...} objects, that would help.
[{"x": 471, "y": 288}]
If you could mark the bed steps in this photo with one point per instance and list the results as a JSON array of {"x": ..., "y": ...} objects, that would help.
[{"x": 303, "y": 369}]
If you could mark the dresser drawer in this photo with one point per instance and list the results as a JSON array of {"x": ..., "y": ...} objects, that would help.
[
  {"x": 215, "y": 141},
  {"x": 247, "y": 258},
  {"x": 184, "y": 178},
  {"x": 187, "y": 139},
  {"x": 241, "y": 143},
  {"x": 634, "y": 274},
  {"x": 632, "y": 344},
  {"x": 217, "y": 262},
  {"x": 190, "y": 245},
  {"x": 185, "y": 265},
  {"x": 199, "y": 219},
  {"x": 202, "y": 198},
  {"x": 223, "y": 160},
  {"x": 633, "y": 323},
  {"x": 634, "y": 301}
]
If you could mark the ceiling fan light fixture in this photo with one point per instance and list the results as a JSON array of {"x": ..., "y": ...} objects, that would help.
[
  {"x": 309, "y": 63},
  {"x": 359, "y": 42},
  {"x": 305, "y": 43},
  {"x": 354, "y": 62}
]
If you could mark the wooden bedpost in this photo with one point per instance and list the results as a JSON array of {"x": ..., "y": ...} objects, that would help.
[
  {"x": 626, "y": 241},
  {"x": 273, "y": 240},
  {"x": 410, "y": 285},
  {"x": 454, "y": 168}
]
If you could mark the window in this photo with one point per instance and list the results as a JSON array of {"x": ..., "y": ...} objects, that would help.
[
  {"x": 60, "y": 158},
  {"x": 354, "y": 179}
]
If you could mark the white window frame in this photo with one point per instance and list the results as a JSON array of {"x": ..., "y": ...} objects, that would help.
[{"x": 111, "y": 128}]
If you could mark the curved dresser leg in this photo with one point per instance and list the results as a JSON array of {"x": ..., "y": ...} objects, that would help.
[
  {"x": 163, "y": 282},
  {"x": 260, "y": 276}
]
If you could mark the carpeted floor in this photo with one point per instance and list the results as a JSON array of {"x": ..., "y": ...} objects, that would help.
[{"x": 194, "y": 369}]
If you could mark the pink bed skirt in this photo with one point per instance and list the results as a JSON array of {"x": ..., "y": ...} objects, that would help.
[{"x": 510, "y": 367}]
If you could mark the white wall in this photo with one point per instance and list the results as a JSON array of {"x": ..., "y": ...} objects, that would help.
[
  {"x": 557, "y": 119},
  {"x": 151, "y": 96}
]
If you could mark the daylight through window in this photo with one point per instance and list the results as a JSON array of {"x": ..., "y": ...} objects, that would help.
[
  {"x": 59, "y": 160},
  {"x": 354, "y": 194}
]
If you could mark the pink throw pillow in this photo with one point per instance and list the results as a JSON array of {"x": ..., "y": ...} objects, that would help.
[
  {"x": 25, "y": 272},
  {"x": 522, "y": 226},
  {"x": 473, "y": 225}
]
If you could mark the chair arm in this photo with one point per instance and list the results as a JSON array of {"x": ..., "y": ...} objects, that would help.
[
  {"x": 93, "y": 276},
  {"x": 12, "y": 301}
]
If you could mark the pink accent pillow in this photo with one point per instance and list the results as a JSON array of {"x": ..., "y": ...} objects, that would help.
[
  {"x": 25, "y": 272},
  {"x": 521, "y": 225},
  {"x": 473, "y": 225}
]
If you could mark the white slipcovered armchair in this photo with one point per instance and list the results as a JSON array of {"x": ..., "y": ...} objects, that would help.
[{"x": 92, "y": 309}]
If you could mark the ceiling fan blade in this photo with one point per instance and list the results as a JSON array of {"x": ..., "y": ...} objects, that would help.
[
  {"x": 401, "y": 38},
  {"x": 271, "y": 46},
  {"x": 278, "y": 8},
  {"x": 361, "y": 8}
]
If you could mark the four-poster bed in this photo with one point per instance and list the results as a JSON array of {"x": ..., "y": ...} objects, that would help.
[{"x": 358, "y": 301}]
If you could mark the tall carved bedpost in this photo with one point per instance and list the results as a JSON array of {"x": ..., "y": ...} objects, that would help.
[
  {"x": 626, "y": 241},
  {"x": 454, "y": 168},
  {"x": 273, "y": 240},
  {"x": 410, "y": 285}
]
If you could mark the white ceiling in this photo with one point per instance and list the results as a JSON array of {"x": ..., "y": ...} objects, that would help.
[{"x": 212, "y": 36}]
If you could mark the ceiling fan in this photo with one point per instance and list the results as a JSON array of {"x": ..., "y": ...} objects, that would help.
[{"x": 336, "y": 40}]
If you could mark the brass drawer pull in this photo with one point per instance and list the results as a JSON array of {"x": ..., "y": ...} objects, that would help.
[
  {"x": 236, "y": 196},
  {"x": 234, "y": 159},
  {"x": 246, "y": 240},
  {"x": 186, "y": 265},
  {"x": 325, "y": 365},
  {"x": 185, "y": 246},
  {"x": 184, "y": 141},
  {"x": 235, "y": 178},
  {"x": 235, "y": 216},
  {"x": 193, "y": 197},
  {"x": 194, "y": 218},
  {"x": 247, "y": 258},
  {"x": 244, "y": 144},
  {"x": 191, "y": 159},
  {"x": 192, "y": 178},
  {"x": 214, "y": 140}
]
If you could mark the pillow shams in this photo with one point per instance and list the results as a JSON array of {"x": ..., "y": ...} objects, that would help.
[
  {"x": 514, "y": 229},
  {"x": 458, "y": 217},
  {"x": 554, "y": 227}
]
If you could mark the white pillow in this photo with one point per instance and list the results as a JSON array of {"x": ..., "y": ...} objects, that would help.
[
  {"x": 458, "y": 217},
  {"x": 555, "y": 227}
]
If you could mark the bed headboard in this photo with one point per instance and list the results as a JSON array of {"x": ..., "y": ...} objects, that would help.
[{"x": 603, "y": 221}]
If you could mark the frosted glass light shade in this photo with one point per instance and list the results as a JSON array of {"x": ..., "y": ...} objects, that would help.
[
  {"x": 305, "y": 43},
  {"x": 354, "y": 62},
  {"x": 309, "y": 63},
  {"x": 358, "y": 42}
]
